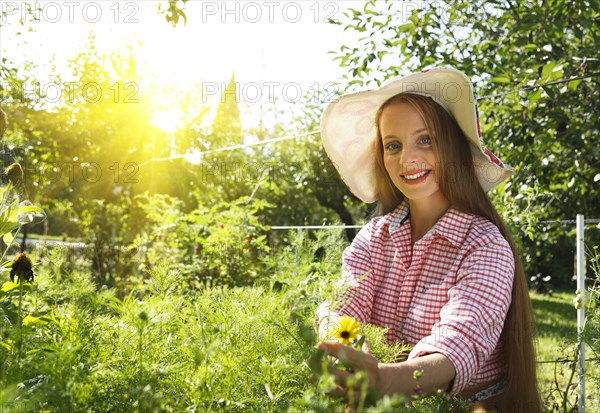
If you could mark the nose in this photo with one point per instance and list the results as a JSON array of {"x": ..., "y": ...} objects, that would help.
[{"x": 408, "y": 159}]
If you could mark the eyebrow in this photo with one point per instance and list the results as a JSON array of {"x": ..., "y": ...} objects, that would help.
[
  {"x": 387, "y": 137},
  {"x": 419, "y": 131}
]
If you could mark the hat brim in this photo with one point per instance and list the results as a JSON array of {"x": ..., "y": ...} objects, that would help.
[{"x": 348, "y": 127}]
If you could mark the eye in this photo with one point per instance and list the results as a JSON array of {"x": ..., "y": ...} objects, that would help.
[
  {"x": 393, "y": 146},
  {"x": 425, "y": 140}
]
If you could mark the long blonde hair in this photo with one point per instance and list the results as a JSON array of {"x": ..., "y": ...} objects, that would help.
[{"x": 458, "y": 182}]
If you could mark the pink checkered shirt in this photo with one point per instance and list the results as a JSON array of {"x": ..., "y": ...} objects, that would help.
[{"x": 448, "y": 294}]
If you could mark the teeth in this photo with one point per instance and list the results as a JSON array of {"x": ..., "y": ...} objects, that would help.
[{"x": 415, "y": 176}]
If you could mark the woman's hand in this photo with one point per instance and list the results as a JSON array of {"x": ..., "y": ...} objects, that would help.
[
  {"x": 436, "y": 371},
  {"x": 349, "y": 384}
]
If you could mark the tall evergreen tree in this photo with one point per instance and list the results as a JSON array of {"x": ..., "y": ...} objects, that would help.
[{"x": 227, "y": 126}]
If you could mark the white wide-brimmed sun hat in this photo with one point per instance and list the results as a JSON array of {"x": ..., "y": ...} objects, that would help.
[{"x": 348, "y": 127}]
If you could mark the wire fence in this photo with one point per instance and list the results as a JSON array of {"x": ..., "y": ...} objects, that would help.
[
  {"x": 567, "y": 360},
  {"x": 300, "y": 227}
]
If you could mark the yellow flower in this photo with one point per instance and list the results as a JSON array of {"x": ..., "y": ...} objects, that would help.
[{"x": 346, "y": 331}]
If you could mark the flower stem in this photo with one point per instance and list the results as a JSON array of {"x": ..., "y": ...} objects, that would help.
[
  {"x": 140, "y": 338},
  {"x": 19, "y": 317}
]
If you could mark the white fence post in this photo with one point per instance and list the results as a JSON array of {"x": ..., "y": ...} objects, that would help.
[{"x": 580, "y": 313}]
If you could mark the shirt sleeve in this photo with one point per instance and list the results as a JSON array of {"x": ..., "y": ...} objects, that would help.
[
  {"x": 356, "y": 286},
  {"x": 472, "y": 320}
]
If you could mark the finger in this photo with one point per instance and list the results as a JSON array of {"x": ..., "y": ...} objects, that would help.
[
  {"x": 345, "y": 354},
  {"x": 335, "y": 349},
  {"x": 350, "y": 395},
  {"x": 338, "y": 392},
  {"x": 341, "y": 376},
  {"x": 354, "y": 395},
  {"x": 349, "y": 386},
  {"x": 358, "y": 359}
]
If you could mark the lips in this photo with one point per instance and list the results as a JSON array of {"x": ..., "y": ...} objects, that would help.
[{"x": 415, "y": 177}]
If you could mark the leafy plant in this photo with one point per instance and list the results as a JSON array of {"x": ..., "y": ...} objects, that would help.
[
  {"x": 15, "y": 323},
  {"x": 219, "y": 245}
]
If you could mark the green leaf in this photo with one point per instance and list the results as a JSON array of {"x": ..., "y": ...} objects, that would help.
[
  {"x": 30, "y": 214},
  {"x": 408, "y": 27},
  {"x": 535, "y": 95},
  {"x": 550, "y": 91},
  {"x": 31, "y": 320},
  {"x": 551, "y": 71},
  {"x": 8, "y": 218},
  {"x": 360, "y": 342},
  {"x": 8, "y": 345},
  {"x": 9, "y": 310},
  {"x": 414, "y": 17},
  {"x": 9, "y": 286},
  {"x": 572, "y": 85},
  {"x": 531, "y": 233},
  {"x": 8, "y": 226},
  {"x": 500, "y": 79}
]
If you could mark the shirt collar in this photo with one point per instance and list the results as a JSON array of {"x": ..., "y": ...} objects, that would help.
[
  {"x": 452, "y": 226},
  {"x": 398, "y": 216}
]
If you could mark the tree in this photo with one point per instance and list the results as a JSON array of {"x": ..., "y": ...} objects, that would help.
[
  {"x": 227, "y": 126},
  {"x": 322, "y": 179},
  {"x": 100, "y": 141}
]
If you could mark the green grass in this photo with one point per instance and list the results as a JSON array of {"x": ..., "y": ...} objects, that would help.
[
  {"x": 556, "y": 320},
  {"x": 160, "y": 347}
]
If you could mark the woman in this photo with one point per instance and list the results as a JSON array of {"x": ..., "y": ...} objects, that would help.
[{"x": 437, "y": 266}]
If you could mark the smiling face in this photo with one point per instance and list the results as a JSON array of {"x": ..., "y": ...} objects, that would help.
[{"x": 408, "y": 154}]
